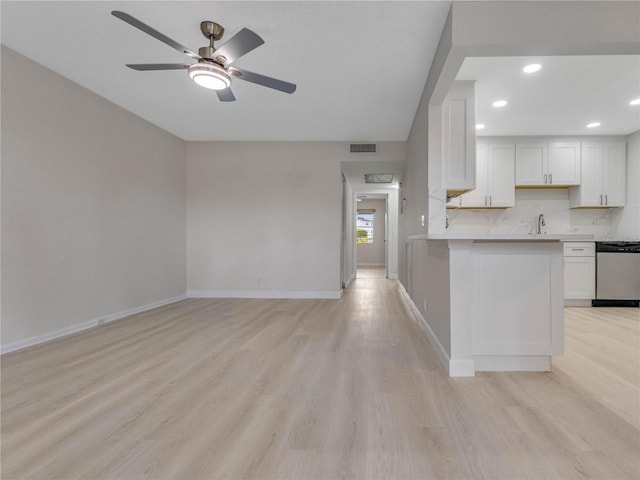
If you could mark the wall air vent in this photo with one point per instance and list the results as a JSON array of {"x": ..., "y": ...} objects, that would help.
[
  {"x": 378, "y": 177},
  {"x": 363, "y": 148}
]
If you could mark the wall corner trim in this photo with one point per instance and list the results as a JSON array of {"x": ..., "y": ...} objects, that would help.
[
  {"x": 350, "y": 279},
  {"x": 78, "y": 327},
  {"x": 454, "y": 367},
  {"x": 281, "y": 294}
]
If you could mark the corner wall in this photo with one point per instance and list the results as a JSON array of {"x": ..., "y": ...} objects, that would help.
[{"x": 93, "y": 208}]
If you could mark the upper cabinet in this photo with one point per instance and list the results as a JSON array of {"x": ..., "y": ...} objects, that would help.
[
  {"x": 603, "y": 176},
  {"x": 547, "y": 164},
  {"x": 532, "y": 163},
  {"x": 564, "y": 163},
  {"x": 458, "y": 138},
  {"x": 495, "y": 173}
]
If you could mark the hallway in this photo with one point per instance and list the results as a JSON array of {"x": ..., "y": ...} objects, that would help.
[{"x": 300, "y": 389}]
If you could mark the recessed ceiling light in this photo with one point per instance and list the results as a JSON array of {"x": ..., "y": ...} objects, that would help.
[
  {"x": 499, "y": 103},
  {"x": 534, "y": 67},
  {"x": 593, "y": 124},
  {"x": 479, "y": 126},
  {"x": 635, "y": 102}
]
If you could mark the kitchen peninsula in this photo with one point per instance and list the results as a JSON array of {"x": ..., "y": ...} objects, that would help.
[{"x": 494, "y": 301}]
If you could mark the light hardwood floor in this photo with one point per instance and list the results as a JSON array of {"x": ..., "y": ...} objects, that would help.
[{"x": 322, "y": 389}]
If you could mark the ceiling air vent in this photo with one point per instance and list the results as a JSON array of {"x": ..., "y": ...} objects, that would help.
[
  {"x": 363, "y": 148},
  {"x": 378, "y": 177}
]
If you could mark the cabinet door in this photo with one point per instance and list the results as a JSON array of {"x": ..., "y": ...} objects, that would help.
[
  {"x": 591, "y": 190},
  {"x": 564, "y": 163},
  {"x": 459, "y": 138},
  {"x": 501, "y": 176},
  {"x": 531, "y": 164},
  {"x": 613, "y": 173},
  {"x": 478, "y": 197},
  {"x": 579, "y": 278}
]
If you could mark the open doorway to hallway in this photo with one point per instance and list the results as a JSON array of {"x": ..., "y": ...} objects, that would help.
[
  {"x": 371, "y": 227},
  {"x": 360, "y": 175}
]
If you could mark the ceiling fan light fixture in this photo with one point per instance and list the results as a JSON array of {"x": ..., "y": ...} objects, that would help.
[{"x": 210, "y": 76}]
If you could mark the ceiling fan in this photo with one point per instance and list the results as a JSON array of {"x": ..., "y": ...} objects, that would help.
[{"x": 213, "y": 70}]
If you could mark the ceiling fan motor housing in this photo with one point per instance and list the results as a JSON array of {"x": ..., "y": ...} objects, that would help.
[{"x": 206, "y": 52}]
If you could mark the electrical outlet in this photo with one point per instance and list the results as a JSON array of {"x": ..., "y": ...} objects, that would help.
[{"x": 258, "y": 282}]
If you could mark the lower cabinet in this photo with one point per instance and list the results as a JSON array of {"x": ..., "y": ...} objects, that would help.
[{"x": 579, "y": 273}]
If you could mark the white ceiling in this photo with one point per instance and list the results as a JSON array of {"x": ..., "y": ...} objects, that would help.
[
  {"x": 560, "y": 99},
  {"x": 360, "y": 67}
]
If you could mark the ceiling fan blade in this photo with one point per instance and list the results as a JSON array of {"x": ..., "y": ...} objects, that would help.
[
  {"x": 226, "y": 95},
  {"x": 240, "y": 44},
  {"x": 125, "y": 17},
  {"x": 142, "y": 67},
  {"x": 265, "y": 81}
]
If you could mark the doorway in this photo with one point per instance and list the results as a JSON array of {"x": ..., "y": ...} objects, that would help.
[{"x": 371, "y": 235}]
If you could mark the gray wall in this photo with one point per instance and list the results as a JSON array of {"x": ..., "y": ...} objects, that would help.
[
  {"x": 264, "y": 219},
  {"x": 93, "y": 206}
]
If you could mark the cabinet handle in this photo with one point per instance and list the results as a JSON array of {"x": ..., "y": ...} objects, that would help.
[
  {"x": 490, "y": 200},
  {"x": 600, "y": 199},
  {"x": 606, "y": 200},
  {"x": 545, "y": 178},
  {"x": 550, "y": 179},
  {"x": 577, "y": 249}
]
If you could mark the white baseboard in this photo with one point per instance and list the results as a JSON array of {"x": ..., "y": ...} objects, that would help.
[
  {"x": 576, "y": 303},
  {"x": 78, "y": 327},
  {"x": 393, "y": 276},
  {"x": 455, "y": 368},
  {"x": 512, "y": 363},
  {"x": 349, "y": 280},
  {"x": 283, "y": 294},
  {"x": 371, "y": 264},
  {"x": 462, "y": 368}
]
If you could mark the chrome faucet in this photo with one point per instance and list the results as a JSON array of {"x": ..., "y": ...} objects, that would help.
[{"x": 540, "y": 224}]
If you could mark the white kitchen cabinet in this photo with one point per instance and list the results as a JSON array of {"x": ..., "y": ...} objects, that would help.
[
  {"x": 501, "y": 175},
  {"x": 543, "y": 164},
  {"x": 531, "y": 163},
  {"x": 459, "y": 138},
  {"x": 579, "y": 273},
  {"x": 495, "y": 173},
  {"x": 603, "y": 176},
  {"x": 564, "y": 163}
]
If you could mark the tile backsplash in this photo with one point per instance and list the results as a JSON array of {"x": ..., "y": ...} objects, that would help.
[{"x": 552, "y": 203}]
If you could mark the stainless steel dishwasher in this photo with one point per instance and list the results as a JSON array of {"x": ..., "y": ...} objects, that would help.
[{"x": 617, "y": 274}]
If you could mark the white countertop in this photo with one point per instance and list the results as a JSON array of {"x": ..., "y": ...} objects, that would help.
[{"x": 502, "y": 237}]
